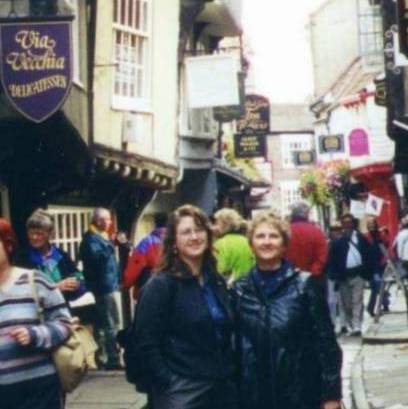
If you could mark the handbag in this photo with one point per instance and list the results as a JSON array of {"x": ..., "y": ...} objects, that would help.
[{"x": 74, "y": 357}]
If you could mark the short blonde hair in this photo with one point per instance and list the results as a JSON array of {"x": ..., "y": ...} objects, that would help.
[
  {"x": 232, "y": 221},
  {"x": 271, "y": 218}
]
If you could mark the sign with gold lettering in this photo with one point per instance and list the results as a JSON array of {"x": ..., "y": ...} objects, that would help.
[
  {"x": 257, "y": 114},
  {"x": 36, "y": 64},
  {"x": 331, "y": 143},
  {"x": 380, "y": 92},
  {"x": 303, "y": 158},
  {"x": 249, "y": 145}
]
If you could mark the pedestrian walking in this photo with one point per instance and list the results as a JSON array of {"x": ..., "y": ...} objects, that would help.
[
  {"x": 28, "y": 377},
  {"x": 350, "y": 264},
  {"x": 183, "y": 327},
  {"x": 378, "y": 242},
  {"x": 335, "y": 232},
  {"x": 232, "y": 251},
  {"x": 102, "y": 279},
  {"x": 401, "y": 244},
  {"x": 307, "y": 248},
  {"x": 288, "y": 354},
  {"x": 145, "y": 257},
  {"x": 54, "y": 262}
]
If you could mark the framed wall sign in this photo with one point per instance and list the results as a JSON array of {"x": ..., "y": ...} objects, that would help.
[
  {"x": 303, "y": 158},
  {"x": 331, "y": 143}
]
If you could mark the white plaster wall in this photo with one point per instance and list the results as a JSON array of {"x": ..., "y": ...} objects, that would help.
[
  {"x": 156, "y": 131},
  {"x": 372, "y": 119},
  {"x": 334, "y": 41}
]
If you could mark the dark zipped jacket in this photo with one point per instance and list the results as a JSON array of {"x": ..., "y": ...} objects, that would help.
[
  {"x": 288, "y": 354},
  {"x": 175, "y": 334},
  {"x": 338, "y": 257},
  {"x": 101, "y": 270}
]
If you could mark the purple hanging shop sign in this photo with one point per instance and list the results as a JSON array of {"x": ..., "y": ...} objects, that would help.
[
  {"x": 36, "y": 64},
  {"x": 358, "y": 140}
]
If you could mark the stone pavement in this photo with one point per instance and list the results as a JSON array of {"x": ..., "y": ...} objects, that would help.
[
  {"x": 379, "y": 373},
  {"x": 105, "y": 390},
  {"x": 351, "y": 347}
]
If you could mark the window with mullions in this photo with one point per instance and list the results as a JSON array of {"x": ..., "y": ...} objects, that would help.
[
  {"x": 132, "y": 54},
  {"x": 371, "y": 35}
]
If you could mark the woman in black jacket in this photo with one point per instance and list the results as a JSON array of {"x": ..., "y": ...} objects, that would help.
[
  {"x": 183, "y": 323},
  {"x": 289, "y": 357}
]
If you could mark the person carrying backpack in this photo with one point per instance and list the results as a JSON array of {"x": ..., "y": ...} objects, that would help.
[{"x": 182, "y": 332}]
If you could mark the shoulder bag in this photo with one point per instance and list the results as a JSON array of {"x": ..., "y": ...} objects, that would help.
[{"x": 74, "y": 357}]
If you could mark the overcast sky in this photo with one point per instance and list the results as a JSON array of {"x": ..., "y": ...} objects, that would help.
[{"x": 277, "y": 33}]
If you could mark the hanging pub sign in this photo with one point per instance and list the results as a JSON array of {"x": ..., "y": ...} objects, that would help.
[
  {"x": 229, "y": 113},
  {"x": 249, "y": 145},
  {"x": 256, "y": 117},
  {"x": 331, "y": 143},
  {"x": 36, "y": 64},
  {"x": 402, "y": 16},
  {"x": 380, "y": 97},
  {"x": 303, "y": 158}
]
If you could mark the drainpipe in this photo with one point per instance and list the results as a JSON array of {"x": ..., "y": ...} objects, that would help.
[{"x": 92, "y": 4}]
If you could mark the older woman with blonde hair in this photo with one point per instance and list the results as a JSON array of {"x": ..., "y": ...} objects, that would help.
[
  {"x": 232, "y": 251},
  {"x": 288, "y": 354}
]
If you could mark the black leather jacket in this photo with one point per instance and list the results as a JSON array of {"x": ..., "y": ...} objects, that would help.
[{"x": 288, "y": 354}]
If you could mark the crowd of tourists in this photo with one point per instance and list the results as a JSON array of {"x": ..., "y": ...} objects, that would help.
[{"x": 228, "y": 313}]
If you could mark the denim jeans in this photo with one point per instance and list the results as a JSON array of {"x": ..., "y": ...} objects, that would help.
[
  {"x": 106, "y": 328},
  {"x": 375, "y": 285}
]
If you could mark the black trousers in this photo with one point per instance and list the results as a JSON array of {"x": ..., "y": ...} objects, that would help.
[
  {"x": 40, "y": 393},
  {"x": 186, "y": 393}
]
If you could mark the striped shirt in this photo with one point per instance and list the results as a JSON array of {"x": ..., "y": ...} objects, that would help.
[{"x": 18, "y": 308}]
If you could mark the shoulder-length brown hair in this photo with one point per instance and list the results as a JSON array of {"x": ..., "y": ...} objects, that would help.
[{"x": 170, "y": 260}]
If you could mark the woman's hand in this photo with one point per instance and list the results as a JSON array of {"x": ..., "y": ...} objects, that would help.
[
  {"x": 332, "y": 404},
  {"x": 68, "y": 284},
  {"x": 21, "y": 335}
]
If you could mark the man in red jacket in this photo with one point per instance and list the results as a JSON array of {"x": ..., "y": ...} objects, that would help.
[
  {"x": 145, "y": 257},
  {"x": 307, "y": 245}
]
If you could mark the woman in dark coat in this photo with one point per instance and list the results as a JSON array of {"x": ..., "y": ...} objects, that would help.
[
  {"x": 288, "y": 354},
  {"x": 183, "y": 323}
]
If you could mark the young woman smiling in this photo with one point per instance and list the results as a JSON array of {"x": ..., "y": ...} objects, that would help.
[
  {"x": 289, "y": 357},
  {"x": 183, "y": 322}
]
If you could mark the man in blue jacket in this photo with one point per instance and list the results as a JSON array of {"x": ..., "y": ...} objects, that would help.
[
  {"x": 350, "y": 263},
  {"x": 102, "y": 278}
]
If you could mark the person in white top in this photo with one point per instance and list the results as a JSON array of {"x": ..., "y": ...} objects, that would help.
[
  {"x": 350, "y": 263},
  {"x": 401, "y": 243}
]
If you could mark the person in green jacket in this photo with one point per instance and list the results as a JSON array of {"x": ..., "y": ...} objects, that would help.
[{"x": 232, "y": 251}]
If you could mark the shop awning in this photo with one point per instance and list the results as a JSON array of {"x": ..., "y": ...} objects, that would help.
[
  {"x": 143, "y": 170},
  {"x": 49, "y": 157},
  {"x": 231, "y": 176}
]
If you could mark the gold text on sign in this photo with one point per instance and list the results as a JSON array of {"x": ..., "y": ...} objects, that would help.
[
  {"x": 37, "y": 87},
  {"x": 38, "y": 53}
]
